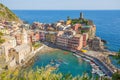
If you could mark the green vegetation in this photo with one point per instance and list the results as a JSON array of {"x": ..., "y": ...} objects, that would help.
[
  {"x": 68, "y": 18},
  {"x": 116, "y": 76},
  {"x": 81, "y": 21},
  {"x": 1, "y": 40},
  {"x": 7, "y": 14},
  {"x": 83, "y": 31},
  {"x": 117, "y": 57},
  {"x": 36, "y": 45},
  {"x": 47, "y": 73}
]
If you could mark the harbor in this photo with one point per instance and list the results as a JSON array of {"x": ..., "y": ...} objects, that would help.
[
  {"x": 95, "y": 68},
  {"x": 62, "y": 62},
  {"x": 105, "y": 70}
]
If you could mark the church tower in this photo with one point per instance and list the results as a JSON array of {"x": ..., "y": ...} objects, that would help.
[{"x": 25, "y": 36}]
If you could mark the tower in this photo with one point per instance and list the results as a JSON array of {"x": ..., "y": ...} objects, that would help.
[
  {"x": 81, "y": 15},
  {"x": 25, "y": 37}
]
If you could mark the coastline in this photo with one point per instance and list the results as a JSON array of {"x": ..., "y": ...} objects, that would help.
[
  {"x": 94, "y": 54},
  {"x": 33, "y": 58},
  {"x": 47, "y": 49}
]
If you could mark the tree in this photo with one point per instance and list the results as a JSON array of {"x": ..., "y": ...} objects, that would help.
[
  {"x": 68, "y": 18},
  {"x": 117, "y": 57},
  {"x": 116, "y": 76}
]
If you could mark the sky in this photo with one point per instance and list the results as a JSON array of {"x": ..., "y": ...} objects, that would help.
[{"x": 62, "y": 4}]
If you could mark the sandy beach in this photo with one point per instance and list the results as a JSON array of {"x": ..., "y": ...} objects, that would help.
[{"x": 47, "y": 49}]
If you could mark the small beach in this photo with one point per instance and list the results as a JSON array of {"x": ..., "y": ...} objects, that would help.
[{"x": 47, "y": 49}]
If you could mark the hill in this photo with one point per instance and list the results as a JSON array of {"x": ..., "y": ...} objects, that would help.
[{"x": 7, "y": 14}]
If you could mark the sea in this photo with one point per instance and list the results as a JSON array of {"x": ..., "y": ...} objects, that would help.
[
  {"x": 65, "y": 62},
  {"x": 108, "y": 28},
  {"x": 106, "y": 21}
]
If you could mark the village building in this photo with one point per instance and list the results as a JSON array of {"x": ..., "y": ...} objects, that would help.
[{"x": 70, "y": 40}]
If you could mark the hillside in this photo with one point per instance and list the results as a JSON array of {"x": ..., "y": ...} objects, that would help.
[{"x": 7, "y": 14}]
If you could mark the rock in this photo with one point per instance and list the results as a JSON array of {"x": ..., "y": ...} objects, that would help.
[
  {"x": 104, "y": 41},
  {"x": 96, "y": 44}
]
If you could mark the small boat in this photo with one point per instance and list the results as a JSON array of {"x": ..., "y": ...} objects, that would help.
[
  {"x": 77, "y": 55},
  {"x": 65, "y": 63},
  {"x": 86, "y": 60},
  {"x": 100, "y": 73},
  {"x": 93, "y": 71},
  {"x": 52, "y": 61},
  {"x": 65, "y": 52},
  {"x": 57, "y": 65},
  {"x": 60, "y": 60}
]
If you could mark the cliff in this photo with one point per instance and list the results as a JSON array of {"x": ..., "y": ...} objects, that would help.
[{"x": 7, "y": 14}]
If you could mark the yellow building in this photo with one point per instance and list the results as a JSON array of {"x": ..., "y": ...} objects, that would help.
[{"x": 68, "y": 22}]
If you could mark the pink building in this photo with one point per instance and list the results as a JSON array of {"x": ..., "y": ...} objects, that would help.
[
  {"x": 76, "y": 26},
  {"x": 73, "y": 42},
  {"x": 76, "y": 42},
  {"x": 85, "y": 38}
]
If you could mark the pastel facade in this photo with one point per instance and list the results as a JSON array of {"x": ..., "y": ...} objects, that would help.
[
  {"x": 42, "y": 36},
  {"x": 76, "y": 43},
  {"x": 62, "y": 41},
  {"x": 51, "y": 37},
  {"x": 72, "y": 41},
  {"x": 11, "y": 43},
  {"x": 37, "y": 36},
  {"x": 85, "y": 38},
  {"x": 24, "y": 37},
  {"x": 76, "y": 27},
  {"x": 18, "y": 54},
  {"x": 23, "y": 51}
]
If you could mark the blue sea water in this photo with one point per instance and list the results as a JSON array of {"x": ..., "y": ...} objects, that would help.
[
  {"x": 67, "y": 63},
  {"x": 107, "y": 22}
]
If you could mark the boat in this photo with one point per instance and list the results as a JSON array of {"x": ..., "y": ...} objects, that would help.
[
  {"x": 93, "y": 71},
  {"x": 60, "y": 61},
  {"x": 65, "y": 52},
  {"x": 100, "y": 73},
  {"x": 87, "y": 60},
  {"x": 77, "y": 55},
  {"x": 52, "y": 61},
  {"x": 65, "y": 63},
  {"x": 57, "y": 65}
]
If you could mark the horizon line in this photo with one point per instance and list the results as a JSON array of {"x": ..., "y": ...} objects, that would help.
[{"x": 72, "y": 9}]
